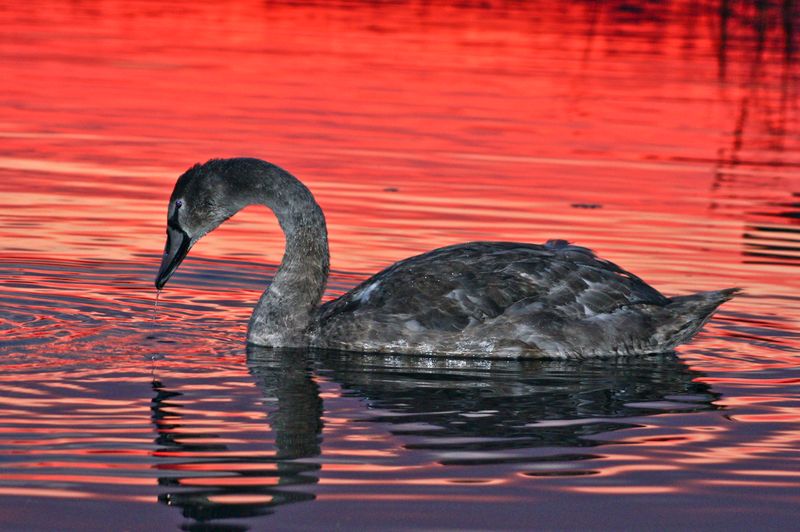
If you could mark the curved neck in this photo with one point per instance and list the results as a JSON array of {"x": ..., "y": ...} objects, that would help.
[{"x": 284, "y": 312}]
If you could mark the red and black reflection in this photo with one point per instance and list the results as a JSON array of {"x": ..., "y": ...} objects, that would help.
[{"x": 213, "y": 484}]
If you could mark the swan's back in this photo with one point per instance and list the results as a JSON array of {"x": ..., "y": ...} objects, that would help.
[{"x": 505, "y": 299}]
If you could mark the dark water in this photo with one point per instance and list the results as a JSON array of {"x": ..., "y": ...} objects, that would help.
[{"x": 663, "y": 135}]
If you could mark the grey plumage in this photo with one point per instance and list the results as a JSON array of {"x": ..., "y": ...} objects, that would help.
[{"x": 484, "y": 299}]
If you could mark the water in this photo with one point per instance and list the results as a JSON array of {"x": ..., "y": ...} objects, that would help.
[{"x": 663, "y": 135}]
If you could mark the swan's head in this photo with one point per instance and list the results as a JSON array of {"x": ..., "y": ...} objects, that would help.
[{"x": 199, "y": 203}]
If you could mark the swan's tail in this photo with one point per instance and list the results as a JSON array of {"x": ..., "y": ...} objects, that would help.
[{"x": 690, "y": 313}]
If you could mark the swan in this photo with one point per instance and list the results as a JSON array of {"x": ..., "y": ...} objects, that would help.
[{"x": 475, "y": 299}]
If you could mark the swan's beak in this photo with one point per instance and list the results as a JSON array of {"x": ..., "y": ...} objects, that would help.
[{"x": 178, "y": 244}]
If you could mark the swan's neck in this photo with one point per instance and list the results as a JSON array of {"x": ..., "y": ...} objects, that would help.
[{"x": 285, "y": 310}]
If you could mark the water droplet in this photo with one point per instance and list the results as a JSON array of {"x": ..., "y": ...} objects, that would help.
[
  {"x": 155, "y": 356},
  {"x": 155, "y": 305}
]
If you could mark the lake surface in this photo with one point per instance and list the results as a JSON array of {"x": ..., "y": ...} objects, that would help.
[{"x": 666, "y": 136}]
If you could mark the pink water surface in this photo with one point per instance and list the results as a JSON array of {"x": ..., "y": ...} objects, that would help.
[{"x": 666, "y": 136}]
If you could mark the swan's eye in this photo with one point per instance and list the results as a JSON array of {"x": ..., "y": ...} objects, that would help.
[{"x": 178, "y": 203}]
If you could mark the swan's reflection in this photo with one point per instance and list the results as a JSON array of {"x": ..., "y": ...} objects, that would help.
[
  {"x": 454, "y": 404},
  {"x": 220, "y": 484},
  {"x": 504, "y": 404}
]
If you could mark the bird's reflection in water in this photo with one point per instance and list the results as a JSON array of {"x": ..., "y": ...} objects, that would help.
[
  {"x": 211, "y": 482},
  {"x": 478, "y": 406}
]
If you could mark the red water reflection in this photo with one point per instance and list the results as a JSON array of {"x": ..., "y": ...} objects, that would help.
[
  {"x": 462, "y": 107},
  {"x": 663, "y": 135}
]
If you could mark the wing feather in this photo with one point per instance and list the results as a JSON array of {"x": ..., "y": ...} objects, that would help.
[{"x": 452, "y": 288}]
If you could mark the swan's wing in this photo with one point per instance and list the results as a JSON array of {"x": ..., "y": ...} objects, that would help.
[{"x": 452, "y": 288}]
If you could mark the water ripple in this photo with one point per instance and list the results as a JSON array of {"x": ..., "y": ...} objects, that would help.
[{"x": 662, "y": 134}]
